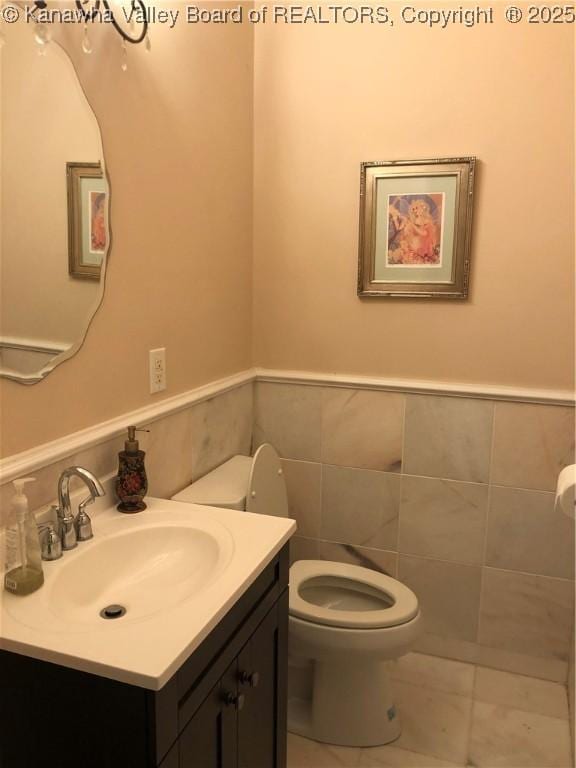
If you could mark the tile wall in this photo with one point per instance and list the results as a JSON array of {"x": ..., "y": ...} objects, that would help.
[
  {"x": 179, "y": 449},
  {"x": 571, "y": 697},
  {"x": 452, "y": 495}
]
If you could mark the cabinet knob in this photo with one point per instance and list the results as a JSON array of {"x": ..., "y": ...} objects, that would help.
[
  {"x": 235, "y": 700},
  {"x": 250, "y": 678}
]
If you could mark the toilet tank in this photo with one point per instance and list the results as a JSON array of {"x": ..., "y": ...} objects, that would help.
[
  {"x": 226, "y": 486},
  {"x": 252, "y": 484}
]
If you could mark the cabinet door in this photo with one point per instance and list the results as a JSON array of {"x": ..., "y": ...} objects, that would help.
[
  {"x": 209, "y": 739},
  {"x": 262, "y": 678}
]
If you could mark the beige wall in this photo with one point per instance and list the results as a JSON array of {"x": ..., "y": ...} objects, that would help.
[
  {"x": 329, "y": 97},
  {"x": 178, "y": 137},
  {"x": 45, "y": 124},
  {"x": 177, "y": 131}
]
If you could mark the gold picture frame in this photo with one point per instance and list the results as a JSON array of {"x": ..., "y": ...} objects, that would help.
[
  {"x": 415, "y": 228},
  {"x": 87, "y": 219}
]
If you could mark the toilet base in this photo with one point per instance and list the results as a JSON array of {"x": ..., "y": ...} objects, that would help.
[{"x": 351, "y": 705}]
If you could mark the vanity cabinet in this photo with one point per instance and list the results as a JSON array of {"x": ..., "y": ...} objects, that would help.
[
  {"x": 235, "y": 726},
  {"x": 224, "y": 708}
]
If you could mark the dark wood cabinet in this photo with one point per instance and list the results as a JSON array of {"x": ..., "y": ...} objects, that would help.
[
  {"x": 236, "y": 725},
  {"x": 172, "y": 759},
  {"x": 213, "y": 730},
  {"x": 261, "y": 674},
  {"x": 224, "y": 708}
]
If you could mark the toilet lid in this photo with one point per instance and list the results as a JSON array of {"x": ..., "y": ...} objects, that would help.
[
  {"x": 349, "y": 596},
  {"x": 266, "y": 487}
]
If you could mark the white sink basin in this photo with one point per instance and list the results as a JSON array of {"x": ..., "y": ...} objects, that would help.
[
  {"x": 177, "y": 569},
  {"x": 145, "y": 568},
  {"x": 145, "y": 571}
]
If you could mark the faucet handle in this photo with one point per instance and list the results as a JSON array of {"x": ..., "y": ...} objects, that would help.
[
  {"x": 83, "y": 524},
  {"x": 50, "y": 542}
]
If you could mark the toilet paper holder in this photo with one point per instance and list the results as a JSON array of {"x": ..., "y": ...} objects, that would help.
[{"x": 566, "y": 491}]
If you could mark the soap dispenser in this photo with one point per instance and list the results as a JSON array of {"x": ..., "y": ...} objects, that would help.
[
  {"x": 131, "y": 483},
  {"x": 24, "y": 573}
]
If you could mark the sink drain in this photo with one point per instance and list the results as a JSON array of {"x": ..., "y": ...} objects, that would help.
[{"x": 113, "y": 612}]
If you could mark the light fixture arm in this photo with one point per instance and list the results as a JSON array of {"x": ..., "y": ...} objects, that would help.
[
  {"x": 90, "y": 9},
  {"x": 137, "y": 6}
]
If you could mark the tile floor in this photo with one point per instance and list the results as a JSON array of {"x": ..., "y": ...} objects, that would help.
[{"x": 456, "y": 715}]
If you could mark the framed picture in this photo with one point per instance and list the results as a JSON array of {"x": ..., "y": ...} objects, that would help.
[
  {"x": 415, "y": 227},
  {"x": 87, "y": 219}
]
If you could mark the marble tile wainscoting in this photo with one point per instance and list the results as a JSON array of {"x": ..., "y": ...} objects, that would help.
[
  {"x": 453, "y": 495},
  {"x": 180, "y": 448}
]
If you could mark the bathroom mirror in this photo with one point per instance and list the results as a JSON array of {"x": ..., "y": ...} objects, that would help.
[{"x": 54, "y": 223}]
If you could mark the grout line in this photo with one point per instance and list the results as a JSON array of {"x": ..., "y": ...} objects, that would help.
[
  {"x": 431, "y": 558},
  {"x": 357, "y": 469},
  {"x": 475, "y": 482},
  {"x": 322, "y": 402},
  {"x": 425, "y": 477},
  {"x": 522, "y": 490},
  {"x": 486, "y": 523},
  {"x": 403, "y": 438},
  {"x": 492, "y": 443},
  {"x": 321, "y": 502},
  {"x": 399, "y": 516},
  {"x": 472, "y": 712},
  {"x": 402, "y": 464},
  {"x": 321, "y": 526},
  {"x": 530, "y": 573},
  {"x": 300, "y": 461},
  {"x": 434, "y": 559}
]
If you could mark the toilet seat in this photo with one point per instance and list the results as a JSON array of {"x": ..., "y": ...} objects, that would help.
[{"x": 399, "y": 603}]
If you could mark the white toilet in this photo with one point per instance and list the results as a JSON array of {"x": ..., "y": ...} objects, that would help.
[{"x": 346, "y": 624}]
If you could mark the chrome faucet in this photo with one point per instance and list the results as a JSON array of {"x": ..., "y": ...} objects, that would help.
[{"x": 79, "y": 528}]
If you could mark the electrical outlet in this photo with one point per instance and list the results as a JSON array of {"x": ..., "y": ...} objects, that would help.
[{"x": 157, "y": 370}]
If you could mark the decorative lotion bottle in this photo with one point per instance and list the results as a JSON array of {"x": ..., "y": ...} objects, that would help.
[
  {"x": 24, "y": 573},
  {"x": 131, "y": 483}
]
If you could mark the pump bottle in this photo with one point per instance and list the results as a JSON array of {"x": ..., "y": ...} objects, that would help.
[
  {"x": 131, "y": 482},
  {"x": 24, "y": 573}
]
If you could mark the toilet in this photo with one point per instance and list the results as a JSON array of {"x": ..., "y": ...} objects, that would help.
[{"x": 347, "y": 623}]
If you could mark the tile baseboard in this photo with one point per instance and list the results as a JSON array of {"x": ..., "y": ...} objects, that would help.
[{"x": 554, "y": 670}]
